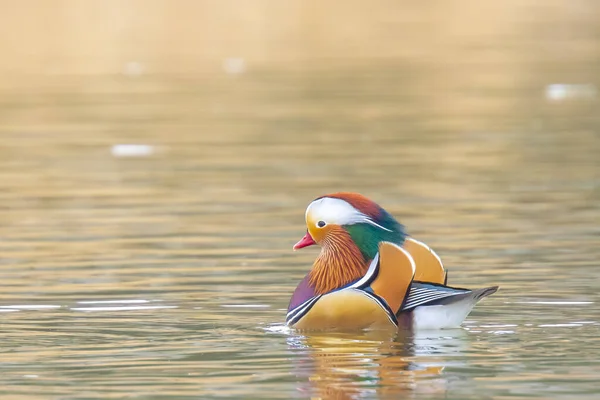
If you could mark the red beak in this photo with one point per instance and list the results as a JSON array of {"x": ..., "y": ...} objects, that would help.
[{"x": 306, "y": 241}]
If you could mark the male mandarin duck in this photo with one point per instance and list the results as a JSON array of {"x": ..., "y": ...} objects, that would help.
[{"x": 370, "y": 274}]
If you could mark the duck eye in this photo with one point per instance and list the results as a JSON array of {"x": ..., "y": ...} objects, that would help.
[{"x": 321, "y": 224}]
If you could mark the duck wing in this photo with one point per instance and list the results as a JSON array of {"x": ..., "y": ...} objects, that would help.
[
  {"x": 395, "y": 276},
  {"x": 429, "y": 267}
]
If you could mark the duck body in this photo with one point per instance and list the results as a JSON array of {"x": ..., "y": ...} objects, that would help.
[{"x": 370, "y": 275}]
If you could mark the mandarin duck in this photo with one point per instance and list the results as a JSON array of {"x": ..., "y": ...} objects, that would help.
[{"x": 370, "y": 274}]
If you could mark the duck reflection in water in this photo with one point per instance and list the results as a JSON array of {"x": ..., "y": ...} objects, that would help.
[{"x": 374, "y": 364}]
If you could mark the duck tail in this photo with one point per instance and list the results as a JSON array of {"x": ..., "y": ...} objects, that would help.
[
  {"x": 479, "y": 294},
  {"x": 443, "y": 307},
  {"x": 429, "y": 294},
  {"x": 474, "y": 296}
]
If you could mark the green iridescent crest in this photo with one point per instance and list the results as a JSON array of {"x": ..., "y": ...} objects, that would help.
[{"x": 367, "y": 236}]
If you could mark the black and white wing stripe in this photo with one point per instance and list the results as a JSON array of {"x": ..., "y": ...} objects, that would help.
[
  {"x": 294, "y": 315},
  {"x": 427, "y": 293}
]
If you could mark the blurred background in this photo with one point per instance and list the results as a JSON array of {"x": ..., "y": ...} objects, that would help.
[{"x": 156, "y": 159}]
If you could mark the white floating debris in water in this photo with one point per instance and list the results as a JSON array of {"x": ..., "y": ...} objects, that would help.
[
  {"x": 130, "y": 308},
  {"x": 559, "y": 303},
  {"x": 498, "y": 326},
  {"x": 133, "y": 68},
  {"x": 234, "y": 65},
  {"x": 245, "y": 305},
  {"x": 8, "y": 310},
  {"x": 563, "y": 91},
  {"x": 132, "y": 150},
  {"x": 30, "y": 376},
  {"x": 113, "y": 302},
  {"x": 559, "y": 325},
  {"x": 32, "y": 307}
]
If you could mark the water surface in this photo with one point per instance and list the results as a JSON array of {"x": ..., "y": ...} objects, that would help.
[{"x": 166, "y": 275}]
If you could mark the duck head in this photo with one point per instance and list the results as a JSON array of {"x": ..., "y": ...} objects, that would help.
[{"x": 348, "y": 227}]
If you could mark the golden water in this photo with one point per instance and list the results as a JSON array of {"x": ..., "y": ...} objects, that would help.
[{"x": 167, "y": 275}]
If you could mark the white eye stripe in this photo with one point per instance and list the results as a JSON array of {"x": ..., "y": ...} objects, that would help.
[
  {"x": 370, "y": 221},
  {"x": 337, "y": 211},
  {"x": 334, "y": 211}
]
